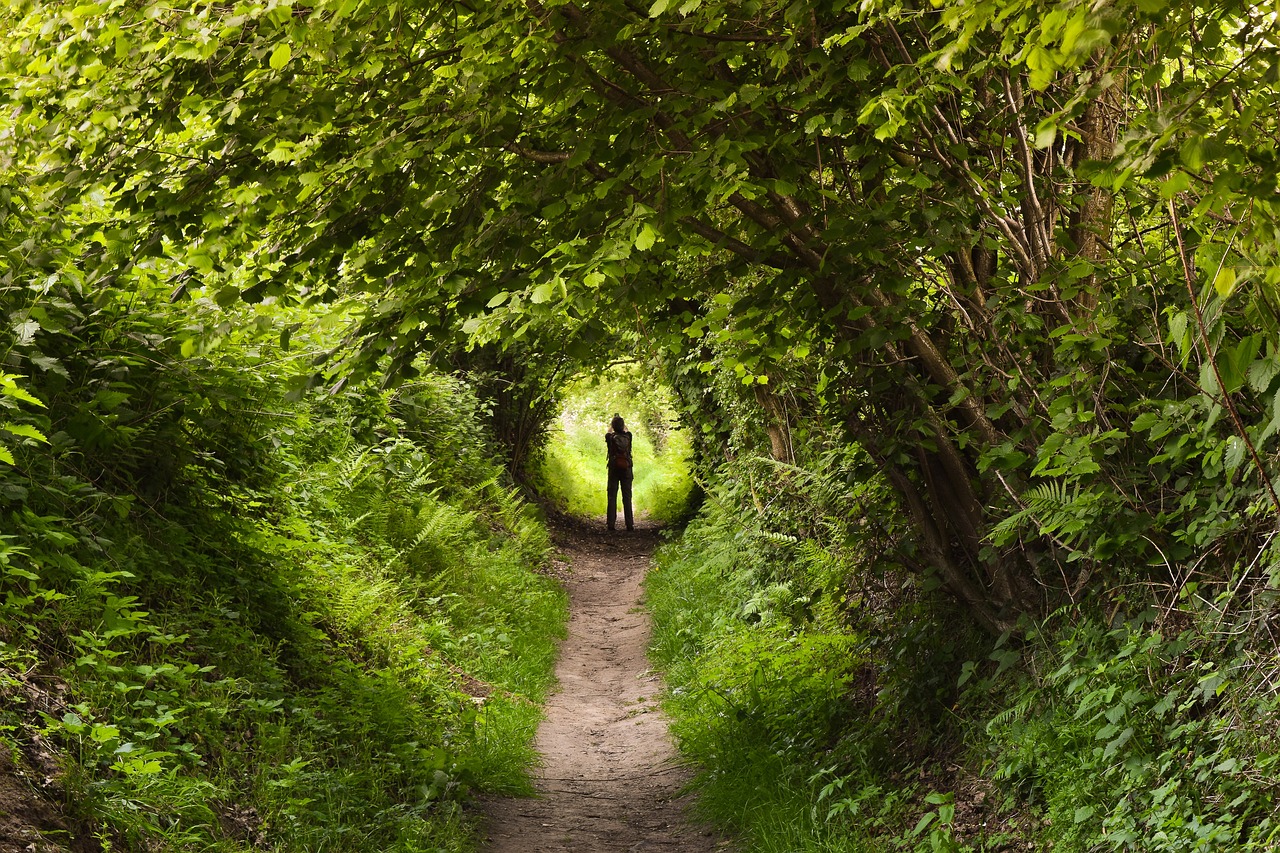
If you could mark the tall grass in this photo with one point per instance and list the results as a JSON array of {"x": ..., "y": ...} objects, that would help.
[{"x": 755, "y": 704}]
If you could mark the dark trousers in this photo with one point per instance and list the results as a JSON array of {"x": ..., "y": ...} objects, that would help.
[{"x": 620, "y": 478}]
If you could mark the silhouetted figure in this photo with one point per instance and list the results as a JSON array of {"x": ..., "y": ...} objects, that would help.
[{"x": 618, "y": 442}]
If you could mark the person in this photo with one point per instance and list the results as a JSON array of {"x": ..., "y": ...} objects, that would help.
[{"x": 618, "y": 443}]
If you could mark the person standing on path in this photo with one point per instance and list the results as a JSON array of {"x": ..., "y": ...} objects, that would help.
[{"x": 618, "y": 442}]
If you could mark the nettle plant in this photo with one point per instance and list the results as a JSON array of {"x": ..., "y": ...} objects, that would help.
[{"x": 1136, "y": 735}]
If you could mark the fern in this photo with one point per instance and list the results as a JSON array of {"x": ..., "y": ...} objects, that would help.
[
  {"x": 353, "y": 468},
  {"x": 1055, "y": 509},
  {"x": 1016, "y": 712}
]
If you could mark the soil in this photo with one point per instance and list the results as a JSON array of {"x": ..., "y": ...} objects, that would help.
[
  {"x": 31, "y": 820},
  {"x": 610, "y": 780},
  {"x": 25, "y": 817}
]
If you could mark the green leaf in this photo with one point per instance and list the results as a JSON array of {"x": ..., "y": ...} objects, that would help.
[
  {"x": 1209, "y": 379},
  {"x": 345, "y": 8},
  {"x": 646, "y": 238},
  {"x": 17, "y": 393},
  {"x": 51, "y": 365},
  {"x": 1235, "y": 454},
  {"x": 541, "y": 293},
  {"x": 923, "y": 823},
  {"x": 1232, "y": 378},
  {"x": 658, "y": 7},
  {"x": 25, "y": 431},
  {"x": 1042, "y": 68},
  {"x": 1145, "y": 421},
  {"x": 138, "y": 767},
  {"x": 1274, "y": 425},
  {"x": 1046, "y": 133},
  {"x": 1179, "y": 334},
  {"x": 1225, "y": 282},
  {"x": 1212, "y": 685},
  {"x": 1178, "y": 182},
  {"x": 1116, "y": 745},
  {"x": 26, "y": 331},
  {"x": 280, "y": 56},
  {"x": 1262, "y": 372},
  {"x": 5, "y": 456},
  {"x": 102, "y": 733}
]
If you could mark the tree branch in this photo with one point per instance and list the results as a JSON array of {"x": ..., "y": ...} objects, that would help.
[{"x": 547, "y": 157}]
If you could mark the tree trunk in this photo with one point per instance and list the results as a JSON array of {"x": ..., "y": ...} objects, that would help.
[
  {"x": 1091, "y": 223},
  {"x": 777, "y": 425}
]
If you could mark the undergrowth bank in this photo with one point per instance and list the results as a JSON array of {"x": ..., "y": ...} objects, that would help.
[
  {"x": 835, "y": 701},
  {"x": 232, "y": 620}
]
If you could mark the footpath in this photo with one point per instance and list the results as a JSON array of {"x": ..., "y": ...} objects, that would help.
[{"x": 610, "y": 781}]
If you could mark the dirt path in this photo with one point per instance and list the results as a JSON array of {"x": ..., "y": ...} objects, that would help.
[{"x": 610, "y": 782}]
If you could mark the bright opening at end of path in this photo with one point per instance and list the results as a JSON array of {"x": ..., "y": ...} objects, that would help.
[{"x": 573, "y": 471}]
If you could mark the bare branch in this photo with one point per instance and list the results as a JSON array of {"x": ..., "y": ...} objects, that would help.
[{"x": 548, "y": 157}]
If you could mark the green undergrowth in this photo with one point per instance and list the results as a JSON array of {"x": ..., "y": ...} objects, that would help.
[
  {"x": 1156, "y": 732},
  {"x": 776, "y": 697},
  {"x": 231, "y": 622},
  {"x": 772, "y": 702},
  {"x": 572, "y": 472},
  {"x": 830, "y": 704}
]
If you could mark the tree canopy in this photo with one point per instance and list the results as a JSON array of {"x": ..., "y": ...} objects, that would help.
[{"x": 1023, "y": 253}]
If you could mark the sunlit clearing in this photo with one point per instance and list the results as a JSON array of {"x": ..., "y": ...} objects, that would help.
[{"x": 573, "y": 473}]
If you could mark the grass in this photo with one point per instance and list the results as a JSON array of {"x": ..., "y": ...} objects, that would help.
[{"x": 752, "y": 702}]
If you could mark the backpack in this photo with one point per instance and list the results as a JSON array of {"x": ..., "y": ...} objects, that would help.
[{"x": 620, "y": 450}]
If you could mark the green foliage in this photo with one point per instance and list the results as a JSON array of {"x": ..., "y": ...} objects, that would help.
[
  {"x": 310, "y": 625},
  {"x": 996, "y": 284},
  {"x": 982, "y": 242},
  {"x": 809, "y": 697},
  {"x": 1133, "y": 736},
  {"x": 828, "y": 704},
  {"x": 752, "y": 705}
]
